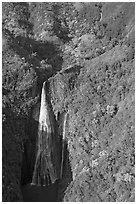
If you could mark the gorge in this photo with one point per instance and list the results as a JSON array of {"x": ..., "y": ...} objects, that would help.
[
  {"x": 68, "y": 102},
  {"x": 50, "y": 155}
]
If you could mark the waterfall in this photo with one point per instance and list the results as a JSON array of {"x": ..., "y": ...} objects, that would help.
[
  {"x": 47, "y": 165},
  {"x": 63, "y": 142}
]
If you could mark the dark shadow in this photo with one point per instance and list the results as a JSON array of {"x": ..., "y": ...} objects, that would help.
[
  {"x": 62, "y": 32},
  {"x": 30, "y": 192},
  {"x": 45, "y": 51},
  {"x": 40, "y": 193},
  {"x": 34, "y": 52},
  {"x": 73, "y": 69},
  {"x": 29, "y": 153},
  {"x": 75, "y": 73},
  {"x": 67, "y": 175},
  {"x": 34, "y": 193},
  {"x": 54, "y": 123}
]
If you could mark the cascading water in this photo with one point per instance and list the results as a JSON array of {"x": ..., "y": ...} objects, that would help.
[
  {"x": 63, "y": 142},
  {"x": 47, "y": 165}
]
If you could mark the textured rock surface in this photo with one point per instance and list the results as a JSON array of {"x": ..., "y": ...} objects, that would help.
[{"x": 100, "y": 134}]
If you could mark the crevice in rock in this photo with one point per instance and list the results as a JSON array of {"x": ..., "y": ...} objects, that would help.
[{"x": 57, "y": 127}]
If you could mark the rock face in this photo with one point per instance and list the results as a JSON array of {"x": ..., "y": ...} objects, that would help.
[{"x": 100, "y": 133}]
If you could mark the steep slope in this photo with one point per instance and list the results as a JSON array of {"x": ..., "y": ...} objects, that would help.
[{"x": 100, "y": 134}]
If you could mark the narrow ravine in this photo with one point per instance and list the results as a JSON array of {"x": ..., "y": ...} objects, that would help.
[
  {"x": 47, "y": 165},
  {"x": 42, "y": 185}
]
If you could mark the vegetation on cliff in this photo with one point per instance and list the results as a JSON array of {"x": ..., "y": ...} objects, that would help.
[{"x": 86, "y": 52}]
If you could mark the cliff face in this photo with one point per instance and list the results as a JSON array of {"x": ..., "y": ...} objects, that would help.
[
  {"x": 88, "y": 63},
  {"x": 100, "y": 132},
  {"x": 99, "y": 96}
]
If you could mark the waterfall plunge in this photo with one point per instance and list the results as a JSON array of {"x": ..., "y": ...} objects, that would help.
[{"x": 47, "y": 165}]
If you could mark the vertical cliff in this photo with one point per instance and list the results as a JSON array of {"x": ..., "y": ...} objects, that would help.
[{"x": 100, "y": 131}]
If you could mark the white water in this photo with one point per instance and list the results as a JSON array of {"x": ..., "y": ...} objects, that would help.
[
  {"x": 46, "y": 170},
  {"x": 63, "y": 142}
]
